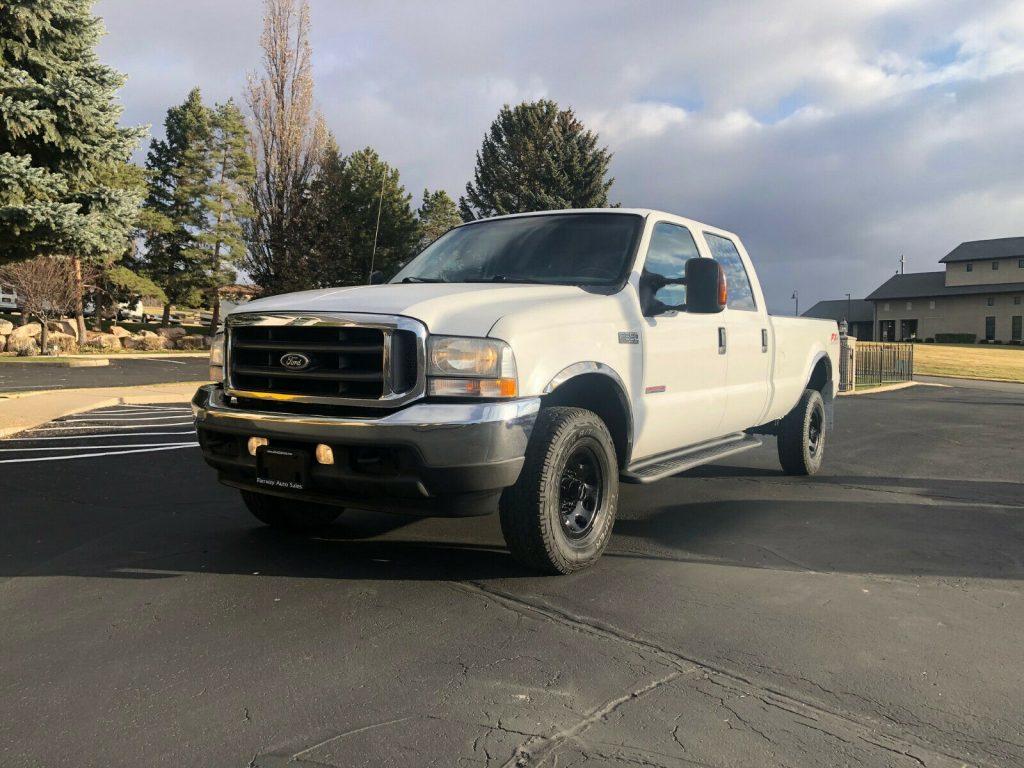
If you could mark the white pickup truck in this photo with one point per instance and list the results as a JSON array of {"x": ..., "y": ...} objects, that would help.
[{"x": 523, "y": 363}]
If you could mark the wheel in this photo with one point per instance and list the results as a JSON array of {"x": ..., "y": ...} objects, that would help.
[
  {"x": 289, "y": 515},
  {"x": 801, "y": 436},
  {"x": 559, "y": 515}
]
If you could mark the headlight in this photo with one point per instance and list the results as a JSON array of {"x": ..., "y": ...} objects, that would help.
[
  {"x": 217, "y": 357},
  {"x": 468, "y": 367}
]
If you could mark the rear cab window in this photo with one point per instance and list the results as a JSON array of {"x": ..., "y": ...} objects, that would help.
[{"x": 724, "y": 251}]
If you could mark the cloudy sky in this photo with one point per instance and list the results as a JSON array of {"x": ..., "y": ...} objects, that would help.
[{"x": 832, "y": 136}]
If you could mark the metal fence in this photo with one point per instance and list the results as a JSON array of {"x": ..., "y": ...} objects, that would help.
[{"x": 883, "y": 362}]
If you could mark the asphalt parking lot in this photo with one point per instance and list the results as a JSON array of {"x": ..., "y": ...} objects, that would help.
[
  {"x": 872, "y": 615},
  {"x": 123, "y": 372}
]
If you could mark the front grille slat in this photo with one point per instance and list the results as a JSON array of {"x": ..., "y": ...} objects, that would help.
[
  {"x": 284, "y": 346},
  {"x": 250, "y": 370}
]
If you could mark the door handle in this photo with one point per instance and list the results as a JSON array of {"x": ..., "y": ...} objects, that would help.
[
  {"x": 721, "y": 340},
  {"x": 764, "y": 339}
]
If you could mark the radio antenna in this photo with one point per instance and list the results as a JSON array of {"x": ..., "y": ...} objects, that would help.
[{"x": 376, "y": 231}]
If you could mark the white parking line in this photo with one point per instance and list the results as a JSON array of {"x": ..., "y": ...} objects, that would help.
[
  {"x": 101, "y": 426},
  {"x": 121, "y": 418},
  {"x": 78, "y": 437},
  {"x": 90, "y": 447},
  {"x": 173, "y": 447}
]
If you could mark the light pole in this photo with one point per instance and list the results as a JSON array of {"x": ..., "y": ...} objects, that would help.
[
  {"x": 849, "y": 301},
  {"x": 796, "y": 299}
]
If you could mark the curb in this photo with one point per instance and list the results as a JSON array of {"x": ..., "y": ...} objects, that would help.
[{"x": 890, "y": 388}]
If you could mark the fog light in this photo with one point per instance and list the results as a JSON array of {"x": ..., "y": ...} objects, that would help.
[
  {"x": 324, "y": 454},
  {"x": 256, "y": 442}
]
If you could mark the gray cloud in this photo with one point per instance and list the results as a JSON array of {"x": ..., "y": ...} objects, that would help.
[{"x": 831, "y": 136}]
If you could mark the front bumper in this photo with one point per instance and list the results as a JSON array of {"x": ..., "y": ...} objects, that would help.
[{"x": 430, "y": 459}]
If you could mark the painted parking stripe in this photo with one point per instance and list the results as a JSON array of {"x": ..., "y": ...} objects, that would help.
[
  {"x": 101, "y": 426},
  {"x": 87, "y": 447},
  {"x": 121, "y": 418},
  {"x": 172, "y": 447},
  {"x": 90, "y": 436}
]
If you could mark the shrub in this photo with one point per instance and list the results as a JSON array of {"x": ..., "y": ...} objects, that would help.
[
  {"x": 955, "y": 338},
  {"x": 929, "y": 340}
]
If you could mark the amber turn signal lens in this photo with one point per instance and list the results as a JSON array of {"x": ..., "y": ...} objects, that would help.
[{"x": 495, "y": 388}]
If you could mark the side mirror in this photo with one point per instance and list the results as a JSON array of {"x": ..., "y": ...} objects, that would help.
[
  {"x": 706, "y": 292},
  {"x": 376, "y": 277}
]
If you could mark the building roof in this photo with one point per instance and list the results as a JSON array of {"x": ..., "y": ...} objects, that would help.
[
  {"x": 925, "y": 284},
  {"x": 1000, "y": 248},
  {"x": 860, "y": 310}
]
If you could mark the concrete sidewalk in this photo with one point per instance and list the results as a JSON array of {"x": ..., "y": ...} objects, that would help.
[{"x": 19, "y": 412}]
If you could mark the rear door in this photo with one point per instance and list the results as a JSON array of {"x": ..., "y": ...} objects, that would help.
[
  {"x": 749, "y": 340},
  {"x": 682, "y": 399}
]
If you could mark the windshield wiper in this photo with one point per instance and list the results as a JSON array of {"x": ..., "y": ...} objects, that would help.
[
  {"x": 505, "y": 279},
  {"x": 414, "y": 279}
]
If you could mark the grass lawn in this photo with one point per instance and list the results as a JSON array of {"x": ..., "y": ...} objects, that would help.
[{"x": 970, "y": 361}]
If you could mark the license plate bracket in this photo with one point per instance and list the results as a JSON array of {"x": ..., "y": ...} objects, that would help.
[{"x": 282, "y": 468}]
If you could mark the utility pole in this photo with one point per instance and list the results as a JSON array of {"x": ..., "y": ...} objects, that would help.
[
  {"x": 796, "y": 298},
  {"x": 849, "y": 301},
  {"x": 903, "y": 263}
]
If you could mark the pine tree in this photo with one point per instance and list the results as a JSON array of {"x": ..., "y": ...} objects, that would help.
[
  {"x": 176, "y": 206},
  {"x": 437, "y": 214},
  {"x": 227, "y": 204},
  {"x": 537, "y": 157},
  {"x": 58, "y": 133},
  {"x": 352, "y": 199}
]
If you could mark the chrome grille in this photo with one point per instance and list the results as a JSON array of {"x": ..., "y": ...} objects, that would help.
[{"x": 325, "y": 358}]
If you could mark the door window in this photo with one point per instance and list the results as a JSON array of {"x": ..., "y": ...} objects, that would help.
[
  {"x": 671, "y": 246},
  {"x": 1015, "y": 328},
  {"x": 723, "y": 250},
  {"x": 990, "y": 328}
]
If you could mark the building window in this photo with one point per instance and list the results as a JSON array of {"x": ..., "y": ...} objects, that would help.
[
  {"x": 931, "y": 304},
  {"x": 887, "y": 330},
  {"x": 1020, "y": 263},
  {"x": 885, "y": 307},
  {"x": 1016, "y": 299},
  {"x": 990, "y": 302},
  {"x": 970, "y": 267},
  {"x": 990, "y": 328},
  {"x": 995, "y": 265},
  {"x": 1015, "y": 329},
  {"x": 910, "y": 305}
]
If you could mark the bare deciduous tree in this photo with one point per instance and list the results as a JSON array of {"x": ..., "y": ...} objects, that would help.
[
  {"x": 287, "y": 139},
  {"x": 47, "y": 287}
]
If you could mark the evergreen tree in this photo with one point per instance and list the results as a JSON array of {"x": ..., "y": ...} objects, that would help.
[
  {"x": 537, "y": 157},
  {"x": 58, "y": 133},
  {"x": 437, "y": 214},
  {"x": 352, "y": 199},
  {"x": 227, "y": 204},
  {"x": 176, "y": 206}
]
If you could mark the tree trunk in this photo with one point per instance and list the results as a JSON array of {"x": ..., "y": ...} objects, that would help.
[
  {"x": 79, "y": 302},
  {"x": 166, "y": 321},
  {"x": 215, "y": 314},
  {"x": 44, "y": 335}
]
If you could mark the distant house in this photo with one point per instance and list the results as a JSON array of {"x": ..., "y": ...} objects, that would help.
[
  {"x": 858, "y": 313},
  {"x": 978, "y": 294}
]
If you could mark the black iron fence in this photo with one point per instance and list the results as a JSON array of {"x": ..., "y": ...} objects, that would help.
[{"x": 883, "y": 362}]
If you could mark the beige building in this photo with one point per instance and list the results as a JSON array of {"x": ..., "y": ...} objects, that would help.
[{"x": 980, "y": 293}]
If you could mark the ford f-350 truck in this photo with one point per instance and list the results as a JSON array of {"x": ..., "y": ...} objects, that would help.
[{"x": 525, "y": 364}]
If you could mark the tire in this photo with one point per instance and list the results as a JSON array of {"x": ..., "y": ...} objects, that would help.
[
  {"x": 802, "y": 435},
  {"x": 559, "y": 515},
  {"x": 288, "y": 515}
]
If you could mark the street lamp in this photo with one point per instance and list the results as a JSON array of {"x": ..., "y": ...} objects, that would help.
[{"x": 796, "y": 298}]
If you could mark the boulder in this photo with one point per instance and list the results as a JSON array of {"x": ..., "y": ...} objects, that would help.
[
  {"x": 23, "y": 346},
  {"x": 104, "y": 341},
  {"x": 117, "y": 330},
  {"x": 70, "y": 327},
  {"x": 61, "y": 343},
  {"x": 173, "y": 332},
  {"x": 27, "y": 331},
  {"x": 3, "y": 343},
  {"x": 144, "y": 332},
  {"x": 149, "y": 343},
  {"x": 6, "y": 326},
  {"x": 191, "y": 341}
]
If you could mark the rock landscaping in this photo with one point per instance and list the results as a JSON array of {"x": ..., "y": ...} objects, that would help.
[{"x": 62, "y": 339}]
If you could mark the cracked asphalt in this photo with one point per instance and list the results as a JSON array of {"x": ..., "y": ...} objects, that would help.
[{"x": 871, "y": 616}]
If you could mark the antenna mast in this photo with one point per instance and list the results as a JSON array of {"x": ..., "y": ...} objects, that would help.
[{"x": 376, "y": 231}]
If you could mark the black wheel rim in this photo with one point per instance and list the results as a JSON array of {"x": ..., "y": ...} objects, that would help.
[
  {"x": 815, "y": 431},
  {"x": 580, "y": 492}
]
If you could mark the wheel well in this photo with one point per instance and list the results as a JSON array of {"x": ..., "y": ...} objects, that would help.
[
  {"x": 602, "y": 395},
  {"x": 821, "y": 375}
]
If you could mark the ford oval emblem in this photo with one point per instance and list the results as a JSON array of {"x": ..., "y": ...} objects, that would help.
[{"x": 295, "y": 361}]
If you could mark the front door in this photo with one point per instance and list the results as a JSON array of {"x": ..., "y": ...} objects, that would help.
[
  {"x": 748, "y": 341},
  {"x": 682, "y": 399}
]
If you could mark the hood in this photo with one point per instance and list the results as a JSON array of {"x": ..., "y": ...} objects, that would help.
[{"x": 447, "y": 308}]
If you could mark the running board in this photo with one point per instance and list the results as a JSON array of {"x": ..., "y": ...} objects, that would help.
[{"x": 657, "y": 467}]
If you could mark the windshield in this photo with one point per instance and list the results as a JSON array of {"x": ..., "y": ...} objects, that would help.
[{"x": 560, "y": 249}]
